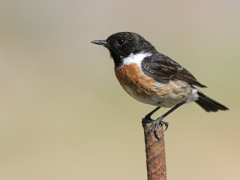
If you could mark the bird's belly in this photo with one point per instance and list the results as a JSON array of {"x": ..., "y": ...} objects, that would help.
[
  {"x": 161, "y": 98},
  {"x": 145, "y": 89}
]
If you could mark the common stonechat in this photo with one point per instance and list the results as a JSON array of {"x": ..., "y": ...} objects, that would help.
[{"x": 152, "y": 77}]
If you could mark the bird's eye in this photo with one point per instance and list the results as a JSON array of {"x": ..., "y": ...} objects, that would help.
[{"x": 120, "y": 41}]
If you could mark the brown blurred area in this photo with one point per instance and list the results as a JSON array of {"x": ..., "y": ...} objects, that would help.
[{"x": 63, "y": 114}]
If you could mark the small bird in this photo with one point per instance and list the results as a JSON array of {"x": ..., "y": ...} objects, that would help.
[{"x": 152, "y": 77}]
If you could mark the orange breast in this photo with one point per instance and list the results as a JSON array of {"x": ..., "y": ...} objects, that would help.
[{"x": 134, "y": 82}]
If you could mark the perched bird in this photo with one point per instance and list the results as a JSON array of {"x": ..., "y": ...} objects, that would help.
[{"x": 152, "y": 77}]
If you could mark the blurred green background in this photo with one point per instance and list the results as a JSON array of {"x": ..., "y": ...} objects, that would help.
[{"x": 63, "y": 115}]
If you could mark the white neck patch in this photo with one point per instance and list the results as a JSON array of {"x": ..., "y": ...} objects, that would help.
[{"x": 135, "y": 58}]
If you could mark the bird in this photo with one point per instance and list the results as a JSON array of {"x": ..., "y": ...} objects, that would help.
[{"x": 154, "y": 78}]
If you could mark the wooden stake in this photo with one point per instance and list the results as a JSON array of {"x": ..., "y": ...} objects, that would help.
[{"x": 155, "y": 153}]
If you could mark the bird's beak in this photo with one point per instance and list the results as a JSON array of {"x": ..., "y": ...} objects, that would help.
[{"x": 100, "y": 42}]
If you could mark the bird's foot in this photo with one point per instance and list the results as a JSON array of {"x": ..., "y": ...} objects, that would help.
[{"x": 154, "y": 126}]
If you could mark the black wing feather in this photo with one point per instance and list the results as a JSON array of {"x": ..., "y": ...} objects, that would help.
[{"x": 165, "y": 68}]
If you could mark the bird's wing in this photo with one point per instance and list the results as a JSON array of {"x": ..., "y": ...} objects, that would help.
[{"x": 165, "y": 68}]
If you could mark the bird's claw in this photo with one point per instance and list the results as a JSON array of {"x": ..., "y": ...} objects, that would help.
[{"x": 154, "y": 127}]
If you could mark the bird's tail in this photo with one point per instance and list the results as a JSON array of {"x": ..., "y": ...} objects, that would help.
[{"x": 209, "y": 104}]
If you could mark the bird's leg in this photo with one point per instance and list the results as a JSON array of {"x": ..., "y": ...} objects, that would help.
[
  {"x": 147, "y": 119},
  {"x": 148, "y": 116},
  {"x": 159, "y": 120}
]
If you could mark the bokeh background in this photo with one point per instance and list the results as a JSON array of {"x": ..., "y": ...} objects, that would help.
[{"x": 63, "y": 115}]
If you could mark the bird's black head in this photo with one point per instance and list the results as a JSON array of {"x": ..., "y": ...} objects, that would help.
[{"x": 122, "y": 44}]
